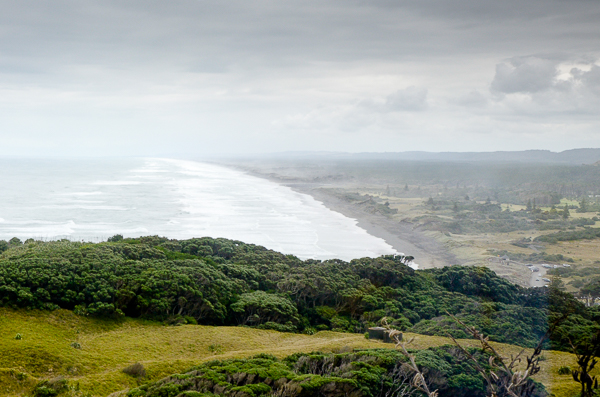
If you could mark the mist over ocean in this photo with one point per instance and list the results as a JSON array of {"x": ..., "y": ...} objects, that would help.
[{"x": 94, "y": 199}]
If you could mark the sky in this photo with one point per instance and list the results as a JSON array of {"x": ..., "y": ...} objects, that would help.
[{"x": 201, "y": 78}]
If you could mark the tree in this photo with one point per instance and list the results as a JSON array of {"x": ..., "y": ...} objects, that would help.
[
  {"x": 583, "y": 207},
  {"x": 115, "y": 239},
  {"x": 566, "y": 213},
  {"x": 586, "y": 351},
  {"x": 529, "y": 207},
  {"x": 467, "y": 198},
  {"x": 259, "y": 307},
  {"x": 406, "y": 187}
]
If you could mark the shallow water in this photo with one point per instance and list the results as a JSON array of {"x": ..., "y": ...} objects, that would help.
[{"x": 92, "y": 200}]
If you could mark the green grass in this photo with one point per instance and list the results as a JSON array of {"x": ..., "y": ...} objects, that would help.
[{"x": 107, "y": 347}]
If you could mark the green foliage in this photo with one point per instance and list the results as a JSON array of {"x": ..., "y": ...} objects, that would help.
[
  {"x": 190, "y": 320},
  {"x": 585, "y": 234},
  {"x": 51, "y": 388},
  {"x": 259, "y": 307},
  {"x": 115, "y": 239},
  {"x": 366, "y": 373},
  {"x": 216, "y": 349},
  {"x": 244, "y": 284},
  {"x": 564, "y": 370}
]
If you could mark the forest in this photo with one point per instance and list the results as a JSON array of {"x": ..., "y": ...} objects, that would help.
[{"x": 227, "y": 282}]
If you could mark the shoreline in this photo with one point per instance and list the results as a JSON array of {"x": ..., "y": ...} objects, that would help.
[
  {"x": 400, "y": 235},
  {"x": 428, "y": 252}
]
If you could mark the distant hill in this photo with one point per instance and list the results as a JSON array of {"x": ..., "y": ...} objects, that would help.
[{"x": 573, "y": 156}]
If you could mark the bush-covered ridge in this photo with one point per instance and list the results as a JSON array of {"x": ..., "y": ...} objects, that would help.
[
  {"x": 227, "y": 282},
  {"x": 361, "y": 374}
]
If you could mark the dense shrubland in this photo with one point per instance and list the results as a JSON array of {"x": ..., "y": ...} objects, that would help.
[
  {"x": 361, "y": 373},
  {"x": 226, "y": 282}
]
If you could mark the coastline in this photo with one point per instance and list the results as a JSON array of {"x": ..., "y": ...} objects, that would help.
[{"x": 428, "y": 252}]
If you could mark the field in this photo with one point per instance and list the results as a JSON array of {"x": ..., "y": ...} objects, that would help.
[{"x": 106, "y": 347}]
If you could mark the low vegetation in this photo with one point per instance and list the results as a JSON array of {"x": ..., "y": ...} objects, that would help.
[
  {"x": 122, "y": 315},
  {"x": 242, "y": 284},
  {"x": 373, "y": 372}
]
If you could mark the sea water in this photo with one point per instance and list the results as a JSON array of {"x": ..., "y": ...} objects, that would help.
[{"x": 92, "y": 200}]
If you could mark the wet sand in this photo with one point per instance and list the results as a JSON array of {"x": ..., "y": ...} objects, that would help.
[{"x": 427, "y": 251}]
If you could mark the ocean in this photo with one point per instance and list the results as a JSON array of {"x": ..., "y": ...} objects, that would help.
[{"x": 94, "y": 199}]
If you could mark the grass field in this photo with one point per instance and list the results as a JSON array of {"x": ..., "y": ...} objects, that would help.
[{"x": 106, "y": 347}]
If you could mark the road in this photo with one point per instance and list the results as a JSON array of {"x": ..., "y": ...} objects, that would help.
[{"x": 535, "y": 276}]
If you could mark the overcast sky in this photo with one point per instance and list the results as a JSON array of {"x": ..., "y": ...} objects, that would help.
[{"x": 166, "y": 78}]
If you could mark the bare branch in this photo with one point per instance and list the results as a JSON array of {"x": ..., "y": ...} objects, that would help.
[{"x": 418, "y": 381}]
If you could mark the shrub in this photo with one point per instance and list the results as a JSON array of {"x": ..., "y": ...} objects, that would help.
[
  {"x": 564, "y": 370},
  {"x": 51, "y": 388},
  {"x": 190, "y": 320},
  {"x": 215, "y": 349},
  {"x": 136, "y": 370},
  {"x": 309, "y": 331},
  {"x": 18, "y": 337},
  {"x": 115, "y": 239},
  {"x": 76, "y": 345}
]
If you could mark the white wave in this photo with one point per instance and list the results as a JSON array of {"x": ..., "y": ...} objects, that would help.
[
  {"x": 85, "y": 207},
  {"x": 182, "y": 199},
  {"x": 115, "y": 183},
  {"x": 228, "y": 203},
  {"x": 95, "y": 193}
]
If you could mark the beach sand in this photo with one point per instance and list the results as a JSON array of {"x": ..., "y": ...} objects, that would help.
[{"x": 427, "y": 251}]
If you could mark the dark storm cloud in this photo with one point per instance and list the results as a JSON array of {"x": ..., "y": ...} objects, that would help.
[
  {"x": 204, "y": 32},
  {"x": 229, "y": 76}
]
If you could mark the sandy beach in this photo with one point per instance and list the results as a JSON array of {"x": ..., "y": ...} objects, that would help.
[{"x": 427, "y": 251}]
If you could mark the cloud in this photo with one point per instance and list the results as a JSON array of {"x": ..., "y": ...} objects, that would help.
[
  {"x": 589, "y": 79},
  {"x": 81, "y": 74},
  {"x": 358, "y": 114},
  {"x": 408, "y": 99},
  {"x": 547, "y": 89},
  {"x": 473, "y": 99},
  {"x": 529, "y": 74}
]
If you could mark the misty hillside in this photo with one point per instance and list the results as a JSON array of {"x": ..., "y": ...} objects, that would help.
[{"x": 573, "y": 156}]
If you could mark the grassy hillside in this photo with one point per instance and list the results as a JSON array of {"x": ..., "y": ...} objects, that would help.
[
  {"x": 243, "y": 284},
  {"x": 45, "y": 350}
]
